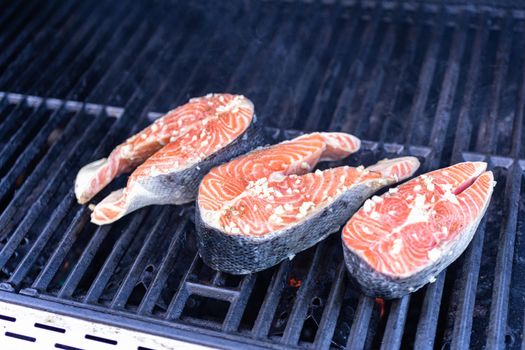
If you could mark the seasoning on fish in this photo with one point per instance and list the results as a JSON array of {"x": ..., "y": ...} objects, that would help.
[
  {"x": 188, "y": 119},
  {"x": 172, "y": 175},
  {"x": 264, "y": 207},
  {"x": 396, "y": 245}
]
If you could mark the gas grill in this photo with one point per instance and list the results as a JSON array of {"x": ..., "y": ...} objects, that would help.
[{"x": 443, "y": 82}]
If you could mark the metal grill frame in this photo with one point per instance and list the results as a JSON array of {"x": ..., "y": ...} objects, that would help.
[{"x": 136, "y": 101}]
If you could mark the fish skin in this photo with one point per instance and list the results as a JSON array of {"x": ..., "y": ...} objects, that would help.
[
  {"x": 177, "y": 186},
  {"x": 243, "y": 254},
  {"x": 388, "y": 285},
  {"x": 93, "y": 177}
]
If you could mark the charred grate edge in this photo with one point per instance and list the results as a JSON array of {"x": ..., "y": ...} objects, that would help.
[{"x": 56, "y": 103}]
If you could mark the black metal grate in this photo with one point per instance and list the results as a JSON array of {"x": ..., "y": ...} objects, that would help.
[{"x": 444, "y": 83}]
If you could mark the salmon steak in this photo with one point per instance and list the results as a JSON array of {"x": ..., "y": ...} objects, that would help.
[
  {"x": 227, "y": 128},
  {"x": 397, "y": 243},
  {"x": 188, "y": 119},
  {"x": 266, "y": 206}
]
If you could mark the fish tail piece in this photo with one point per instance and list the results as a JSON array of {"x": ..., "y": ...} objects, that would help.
[{"x": 112, "y": 208}]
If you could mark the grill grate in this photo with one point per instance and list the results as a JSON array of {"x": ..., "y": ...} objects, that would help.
[{"x": 443, "y": 83}]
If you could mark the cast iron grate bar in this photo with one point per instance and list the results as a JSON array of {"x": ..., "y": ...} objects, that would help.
[
  {"x": 360, "y": 324},
  {"x": 287, "y": 52},
  {"x": 425, "y": 78},
  {"x": 24, "y": 36},
  {"x": 329, "y": 78},
  {"x": 67, "y": 60},
  {"x": 515, "y": 172},
  {"x": 324, "y": 335},
  {"x": 71, "y": 233},
  {"x": 517, "y": 128},
  {"x": 97, "y": 287},
  {"x": 7, "y": 214},
  {"x": 267, "y": 26},
  {"x": 384, "y": 112},
  {"x": 275, "y": 102},
  {"x": 32, "y": 255},
  {"x": 386, "y": 49},
  {"x": 150, "y": 243},
  {"x": 96, "y": 43},
  {"x": 35, "y": 146},
  {"x": 11, "y": 122},
  {"x": 18, "y": 21},
  {"x": 447, "y": 92},
  {"x": 21, "y": 135},
  {"x": 486, "y": 141},
  {"x": 235, "y": 311},
  {"x": 427, "y": 324},
  {"x": 264, "y": 318},
  {"x": 8, "y": 13},
  {"x": 395, "y": 325},
  {"x": 68, "y": 161},
  {"x": 464, "y": 130},
  {"x": 151, "y": 296},
  {"x": 178, "y": 302},
  {"x": 320, "y": 54},
  {"x": 83, "y": 263},
  {"x": 25, "y": 66},
  {"x": 280, "y": 38},
  {"x": 500, "y": 293},
  {"x": 297, "y": 317},
  {"x": 470, "y": 271},
  {"x": 354, "y": 75},
  {"x": 139, "y": 42},
  {"x": 218, "y": 278}
]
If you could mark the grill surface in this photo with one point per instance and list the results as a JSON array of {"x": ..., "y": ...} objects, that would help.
[{"x": 444, "y": 83}]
